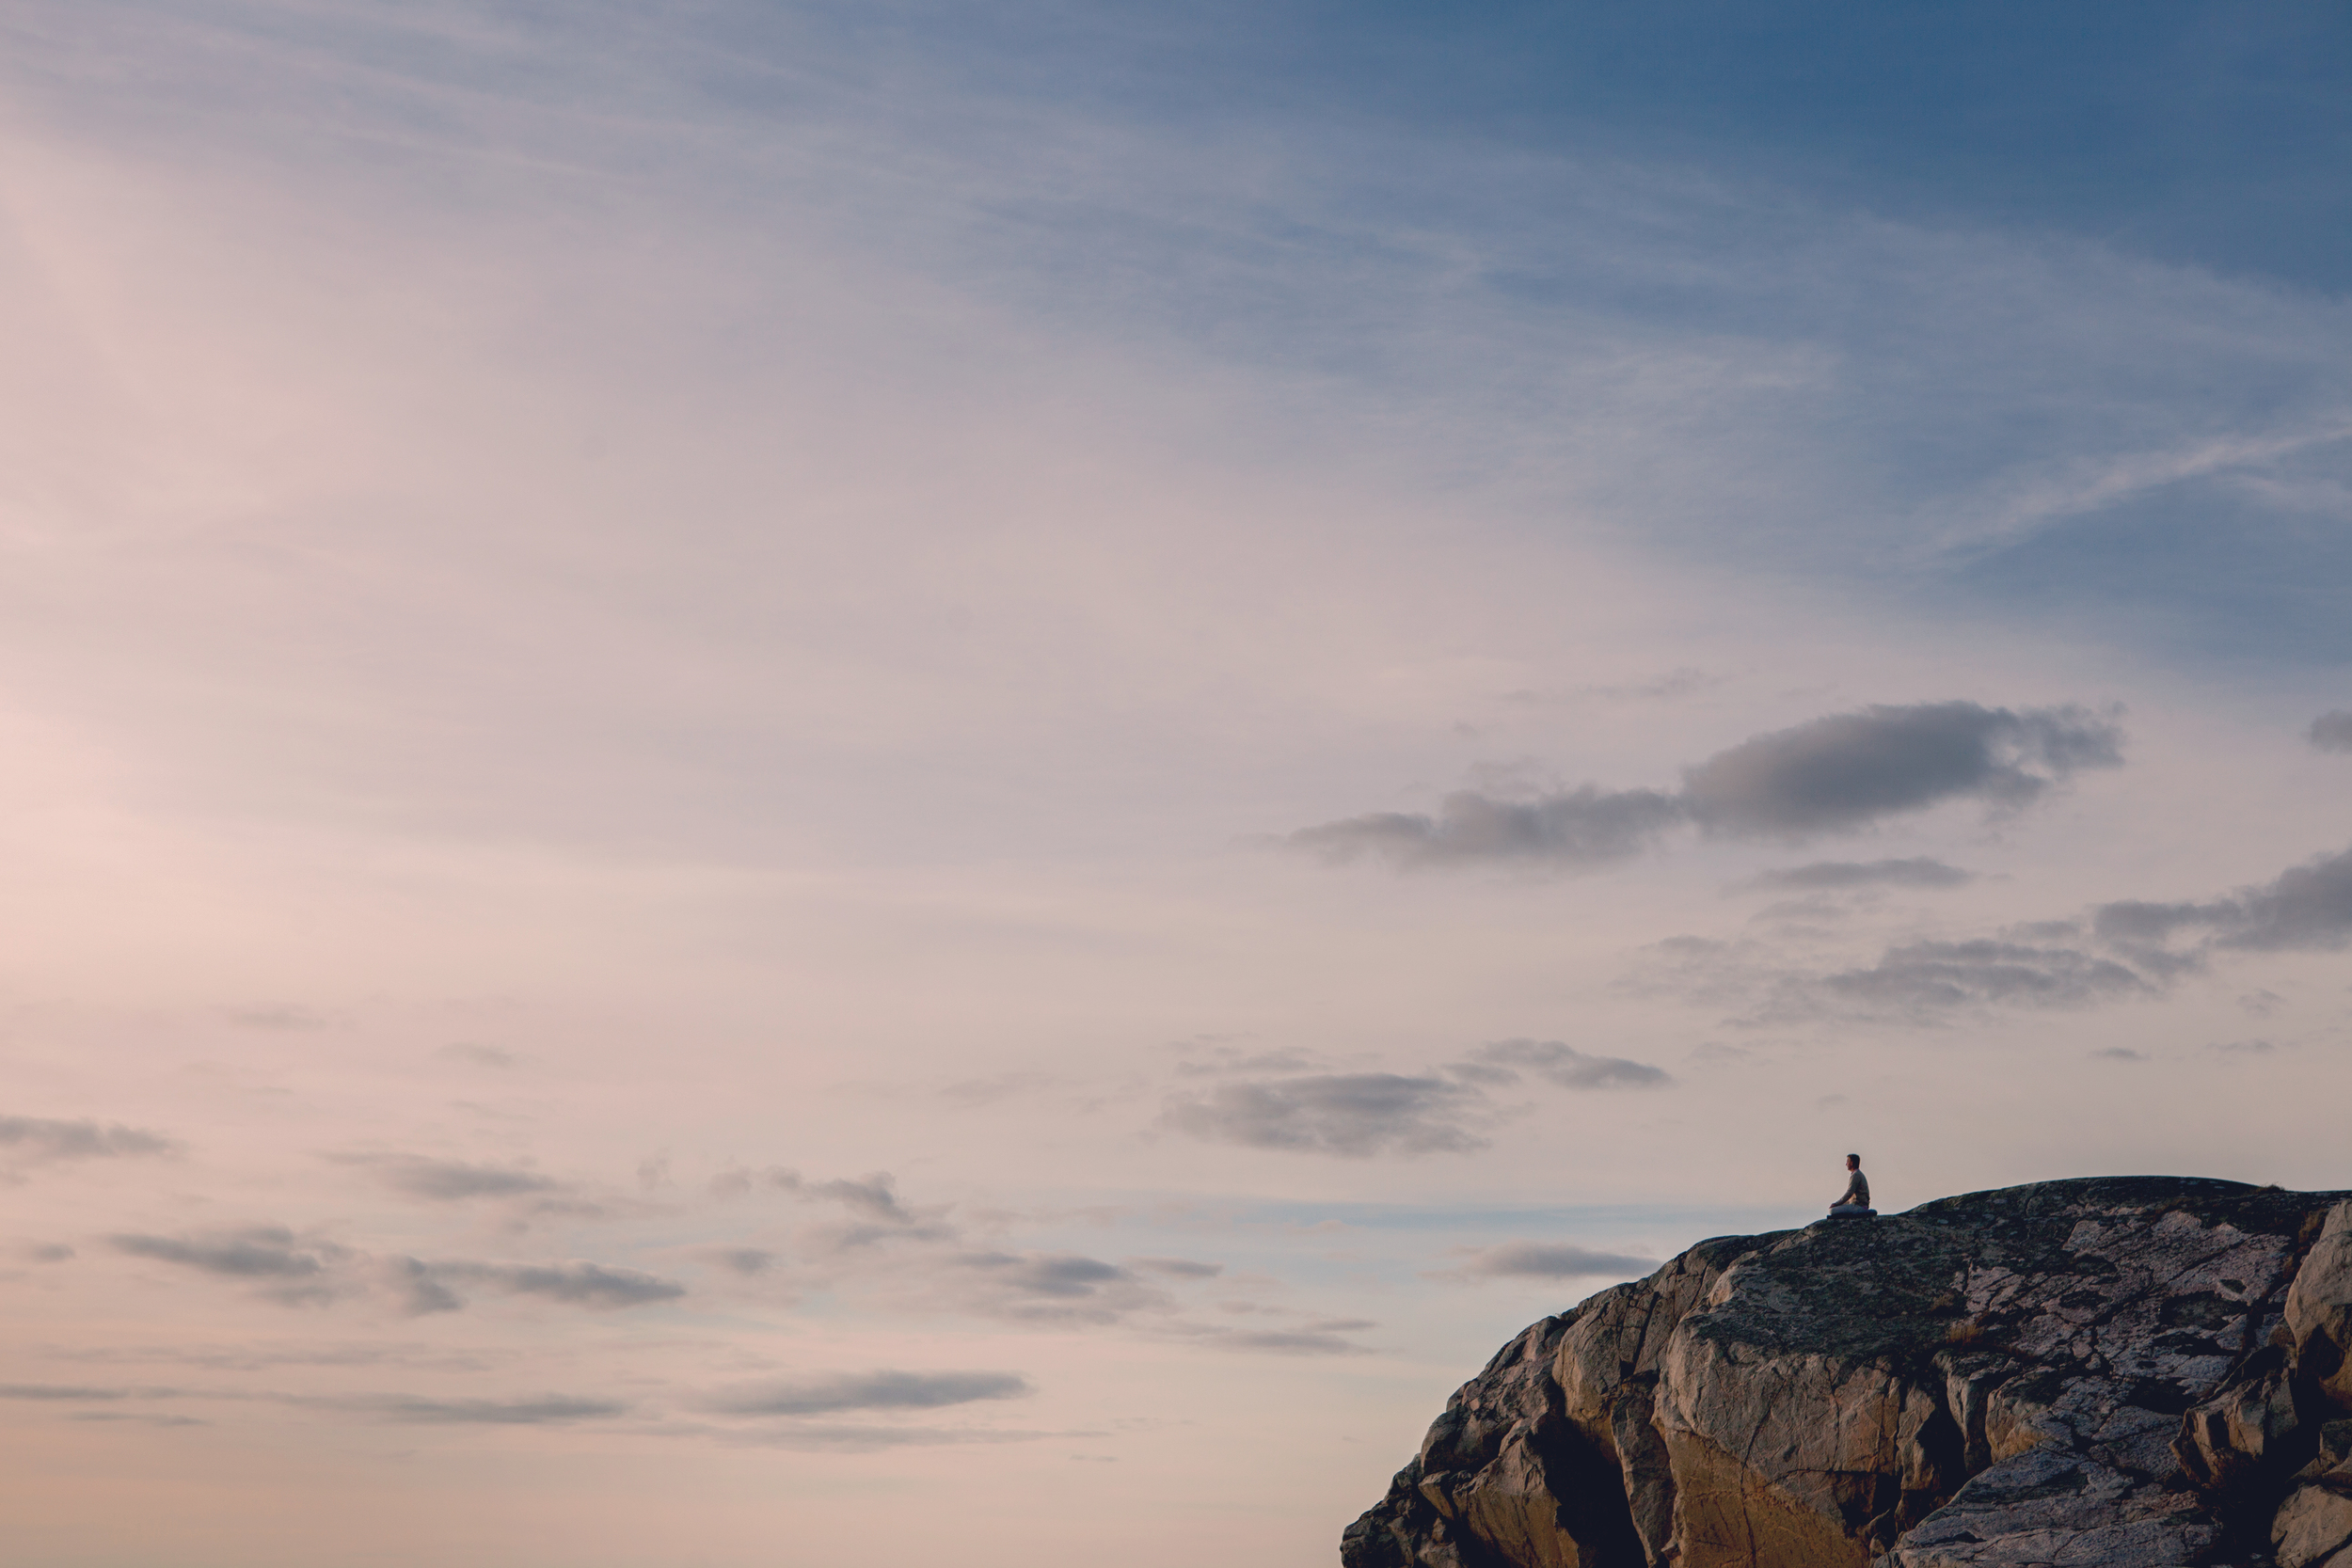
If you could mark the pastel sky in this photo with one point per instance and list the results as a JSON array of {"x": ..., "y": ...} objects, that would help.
[{"x": 881, "y": 784}]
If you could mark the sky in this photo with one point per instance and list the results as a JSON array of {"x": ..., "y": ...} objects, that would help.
[{"x": 842, "y": 784}]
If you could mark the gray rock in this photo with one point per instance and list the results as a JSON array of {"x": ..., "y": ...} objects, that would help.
[{"x": 2075, "y": 1372}]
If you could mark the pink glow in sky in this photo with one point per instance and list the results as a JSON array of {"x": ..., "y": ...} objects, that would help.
[{"x": 884, "y": 824}]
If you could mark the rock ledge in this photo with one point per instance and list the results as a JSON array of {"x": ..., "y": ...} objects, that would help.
[{"x": 2116, "y": 1372}]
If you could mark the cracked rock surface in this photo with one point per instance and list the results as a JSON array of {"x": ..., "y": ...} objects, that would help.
[{"x": 2115, "y": 1373}]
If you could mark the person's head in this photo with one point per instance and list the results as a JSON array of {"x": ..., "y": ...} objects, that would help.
[{"x": 1853, "y": 1162}]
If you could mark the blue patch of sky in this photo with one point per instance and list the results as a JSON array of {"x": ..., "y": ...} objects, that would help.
[
  {"x": 2212, "y": 134},
  {"x": 1449, "y": 216}
]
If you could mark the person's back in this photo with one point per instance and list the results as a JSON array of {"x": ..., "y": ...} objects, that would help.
[{"x": 1854, "y": 1203}]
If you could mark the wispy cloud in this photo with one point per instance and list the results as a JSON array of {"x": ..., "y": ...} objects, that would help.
[
  {"x": 1836, "y": 774},
  {"x": 455, "y": 1181},
  {"x": 1558, "y": 1063},
  {"x": 2307, "y": 908},
  {"x": 1351, "y": 1114},
  {"x": 411, "y": 1410},
  {"x": 39, "y": 1139},
  {"x": 289, "y": 1269},
  {"x": 1831, "y": 875},
  {"x": 1544, "y": 1260},
  {"x": 875, "y": 1390},
  {"x": 434, "y": 1286},
  {"x": 2121, "y": 950},
  {"x": 2332, "y": 731}
]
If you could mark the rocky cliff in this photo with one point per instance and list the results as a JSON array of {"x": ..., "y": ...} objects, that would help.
[{"x": 2129, "y": 1372}]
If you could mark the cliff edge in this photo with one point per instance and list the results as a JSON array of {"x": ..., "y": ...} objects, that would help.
[{"x": 2118, "y": 1372}]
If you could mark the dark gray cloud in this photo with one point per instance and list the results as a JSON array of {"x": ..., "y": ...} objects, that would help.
[
  {"x": 1549, "y": 1261},
  {"x": 2332, "y": 731},
  {"x": 1039, "y": 1287},
  {"x": 1836, "y": 774},
  {"x": 2308, "y": 907},
  {"x": 257, "y": 1252},
  {"x": 433, "y": 1286},
  {"x": 1831, "y": 875},
  {"x": 547, "y": 1410},
  {"x": 1582, "y": 828},
  {"x": 1357, "y": 1113},
  {"x": 1926, "y": 977},
  {"x": 1851, "y": 769},
  {"x": 1558, "y": 1063},
  {"x": 2121, "y": 1054},
  {"x": 877, "y": 1390},
  {"x": 455, "y": 1181},
  {"x": 2123, "y": 949},
  {"x": 40, "y": 1139}
]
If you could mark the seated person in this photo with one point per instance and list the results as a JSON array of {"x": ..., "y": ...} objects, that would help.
[{"x": 1855, "y": 1204}]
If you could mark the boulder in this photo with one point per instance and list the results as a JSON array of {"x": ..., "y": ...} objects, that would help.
[
  {"x": 2313, "y": 1526},
  {"x": 2248, "y": 1430},
  {"x": 2319, "y": 1309},
  {"x": 2073, "y": 1373}
]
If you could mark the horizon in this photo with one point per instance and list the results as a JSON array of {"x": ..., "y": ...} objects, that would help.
[{"x": 868, "y": 780}]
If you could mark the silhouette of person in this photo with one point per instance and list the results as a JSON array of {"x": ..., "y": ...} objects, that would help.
[{"x": 1854, "y": 1203}]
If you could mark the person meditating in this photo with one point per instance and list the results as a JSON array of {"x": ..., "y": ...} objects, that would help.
[{"x": 1855, "y": 1204}]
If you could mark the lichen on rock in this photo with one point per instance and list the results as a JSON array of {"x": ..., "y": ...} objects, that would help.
[{"x": 2118, "y": 1372}]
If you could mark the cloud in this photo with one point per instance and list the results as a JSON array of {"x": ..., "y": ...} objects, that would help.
[
  {"x": 453, "y": 1181},
  {"x": 1177, "y": 1268},
  {"x": 1582, "y": 828},
  {"x": 815, "y": 1438},
  {"x": 1356, "y": 1114},
  {"x": 40, "y": 1139},
  {"x": 877, "y": 1390},
  {"x": 1039, "y": 1287},
  {"x": 746, "y": 1260},
  {"x": 2332, "y": 731},
  {"x": 548, "y": 1410},
  {"x": 2307, "y": 908},
  {"x": 1559, "y": 1064},
  {"x": 1289, "y": 1341},
  {"x": 2120, "y": 1053},
  {"x": 1547, "y": 1261},
  {"x": 290, "y": 1270},
  {"x": 1822, "y": 875},
  {"x": 257, "y": 1252},
  {"x": 1925, "y": 977},
  {"x": 431, "y": 1287},
  {"x": 1850, "y": 769},
  {"x": 1835, "y": 774},
  {"x": 875, "y": 1198},
  {"x": 69, "y": 1394},
  {"x": 2123, "y": 949}
]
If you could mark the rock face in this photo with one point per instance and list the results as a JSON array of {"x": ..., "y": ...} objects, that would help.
[{"x": 2126, "y": 1372}]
